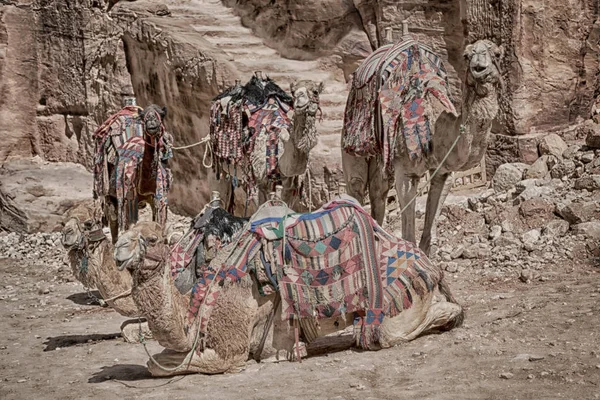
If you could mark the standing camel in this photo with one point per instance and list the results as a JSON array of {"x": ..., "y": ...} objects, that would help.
[
  {"x": 255, "y": 140},
  {"x": 132, "y": 150},
  {"x": 406, "y": 124}
]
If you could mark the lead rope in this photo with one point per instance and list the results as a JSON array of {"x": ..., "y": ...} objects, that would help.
[{"x": 207, "y": 150}]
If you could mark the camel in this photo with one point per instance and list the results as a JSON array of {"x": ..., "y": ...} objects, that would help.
[
  {"x": 233, "y": 313},
  {"x": 131, "y": 165},
  {"x": 90, "y": 254},
  {"x": 296, "y": 137},
  {"x": 462, "y": 138}
]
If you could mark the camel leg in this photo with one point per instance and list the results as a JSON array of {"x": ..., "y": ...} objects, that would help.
[
  {"x": 113, "y": 219},
  {"x": 437, "y": 316},
  {"x": 438, "y": 191},
  {"x": 205, "y": 362},
  {"x": 356, "y": 172},
  {"x": 406, "y": 190},
  {"x": 289, "y": 184},
  {"x": 378, "y": 190}
]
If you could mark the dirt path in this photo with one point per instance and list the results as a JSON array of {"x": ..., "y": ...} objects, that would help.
[{"x": 519, "y": 341}]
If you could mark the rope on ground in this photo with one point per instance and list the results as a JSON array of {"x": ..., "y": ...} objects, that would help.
[
  {"x": 207, "y": 150},
  {"x": 173, "y": 380},
  {"x": 431, "y": 176}
]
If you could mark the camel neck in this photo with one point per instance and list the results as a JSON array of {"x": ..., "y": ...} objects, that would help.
[{"x": 163, "y": 306}]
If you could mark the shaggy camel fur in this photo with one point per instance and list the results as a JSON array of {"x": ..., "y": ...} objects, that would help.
[
  {"x": 479, "y": 108},
  {"x": 238, "y": 319},
  {"x": 93, "y": 265}
]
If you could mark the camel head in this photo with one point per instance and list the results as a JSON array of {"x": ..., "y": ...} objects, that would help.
[
  {"x": 153, "y": 117},
  {"x": 80, "y": 221},
  {"x": 483, "y": 60},
  {"x": 306, "y": 105},
  {"x": 145, "y": 240}
]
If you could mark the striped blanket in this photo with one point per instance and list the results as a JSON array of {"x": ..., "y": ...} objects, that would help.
[
  {"x": 118, "y": 155},
  {"x": 337, "y": 260},
  {"x": 388, "y": 95}
]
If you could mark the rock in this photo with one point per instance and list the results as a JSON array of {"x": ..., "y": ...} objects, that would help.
[
  {"x": 552, "y": 144},
  {"x": 587, "y": 229},
  {"x": 556, "y": 228},
  {"x": 506, "y": 375},
  {"x": 495, "y": 232},
  {"x": 458, "y": 252},
  {"x": 526, "y": 184},
  {"x": 452, "y": 267},
  {"x": 590, "y": 183},
  {"x": 579, "y": 211},
  {"x": 507, "y": 175},
  {"x": 530, "y": 239},
  {"x": 538, "y": 169},
  {"x": 527, "y": 275},
  {"x": 537, "y": 211},
  {"x": 562, "y": 169},
  {"x": 506, "y": 226},
  {"x": 571, "y": 151},
  {"x": 534, "y": 192},
  {"x": 507, "y": 240},
  {"x": 593, "y": 136},
  {"x": 587, "y": 158},
  {"x": 534, "y": 357},
  {"x": 477, "y": 250}
]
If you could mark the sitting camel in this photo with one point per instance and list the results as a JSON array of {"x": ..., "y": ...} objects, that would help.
[
  {"x": 339, "y": 264},
  {"x": 131, "y": 165},
  {"x": 263, "y": 161},
  {"x": 91, "y": 257},
  {"x": 417, "y": 126}
]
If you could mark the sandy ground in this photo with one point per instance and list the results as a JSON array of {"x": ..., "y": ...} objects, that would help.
[{"x": 519, "y": 341}]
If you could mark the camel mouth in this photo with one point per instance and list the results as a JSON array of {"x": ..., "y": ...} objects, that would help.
[{"x": 479, "y": 71}]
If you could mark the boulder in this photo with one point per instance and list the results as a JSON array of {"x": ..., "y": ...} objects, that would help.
[
  {"x": 588, "y": 229},
  {"x": 592, "y": 138},
  {"x": 562, "y": 169},
  {"x": 37, "y": 193},
  {"x": 534, "y": 192},
  {"x": 590, "y": 183},
  {"x": 538, "y": 170},
  {"x": 556, "y": 228},
  {"x": 571, "y": 151},
  {"x": 477, "y": 250},
  {"x": 579, "y": 211},
  {"x": 507, "y": 175},
  {"x": 537, "y": 211},
  {"x": 552, "y": 144},
  {"x": 530, "y": 239}
]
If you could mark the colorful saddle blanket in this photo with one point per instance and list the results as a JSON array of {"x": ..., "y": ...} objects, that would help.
[
  {"x": 388, "y": 93},
  {"x": 119, "y": 141},
  {"x": 336, "y": 261}
]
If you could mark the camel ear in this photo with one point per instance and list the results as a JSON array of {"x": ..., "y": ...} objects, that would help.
[
  {"x": 321, "y": 87},
  {"x": 163, "y": 113},
  {"x": 499, "y": 52},
  {"x": 292, "y": 87},
  {"x": 468, "y": 51}
]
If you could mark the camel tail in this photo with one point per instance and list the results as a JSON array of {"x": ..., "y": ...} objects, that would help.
[{"x": 445, "y": 290}]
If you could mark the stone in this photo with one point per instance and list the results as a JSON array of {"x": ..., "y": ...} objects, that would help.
[
  {"x": 458, "y": 252},
  {"x": 526, "y": 184},
  {"x": 530, "y": 239},
  {"x": 507, "y": 375},
  {"x": 587, "y": 158},
  {"x": 534, "y": 192},
  {"x": 537, "y": 210},
  {"x": 579, "y": 211},
  {"x": 590, "y": 183},
  {"x": 593, "y": 136},
  {"x": 571, "y": 151},
  {"x": 563, "y": 169},
  {"x": 507, "y": 240},
  {"x": 556, "y": 228},
  {"x": 538, "y": 170},
  {"x": 477, "y": 250},
  {"x": 588, "y": 229},
  {"x": 552, "y": 144},
  {"x": 495, "y": 232},
  {"x": 506, "y": 226},
  {"x": 506, "y": 176}
]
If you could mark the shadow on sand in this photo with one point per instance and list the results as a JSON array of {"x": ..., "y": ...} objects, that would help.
[
  {"x": 73, "y": 340},
  {"x": 84, "y": 299},
  {"x": 122, "y": 372}
]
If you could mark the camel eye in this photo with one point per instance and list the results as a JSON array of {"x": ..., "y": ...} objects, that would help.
[
  {"x": 152, "y": 240},
  {"x": 87, "y": 224}
]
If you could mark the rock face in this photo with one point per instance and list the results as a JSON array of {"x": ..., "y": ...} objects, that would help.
[{"x": 38, "y": 193}]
